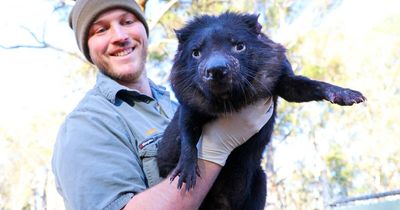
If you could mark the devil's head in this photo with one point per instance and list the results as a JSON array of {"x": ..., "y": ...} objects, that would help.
[{"x": 224, "y": 62}]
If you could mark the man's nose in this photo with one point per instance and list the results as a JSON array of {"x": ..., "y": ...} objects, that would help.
[{"x": 119, "y": 35}]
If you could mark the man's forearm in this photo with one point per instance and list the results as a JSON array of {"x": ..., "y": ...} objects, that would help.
[{"x": 166, "y": 196}]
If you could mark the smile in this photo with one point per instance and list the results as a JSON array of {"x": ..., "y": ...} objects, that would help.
[{"x": 124, "y": 52}]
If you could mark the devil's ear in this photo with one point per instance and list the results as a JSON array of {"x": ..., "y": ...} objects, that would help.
[
  {"x": 258, "y": 25},
  {"x": 252, "y": 22},
  {"x": 180, "y": 35}
]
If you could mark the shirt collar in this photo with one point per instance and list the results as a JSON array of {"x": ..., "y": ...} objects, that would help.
[{"x": 110, "y": 88}]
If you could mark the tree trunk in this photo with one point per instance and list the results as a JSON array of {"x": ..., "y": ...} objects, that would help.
[{"x": 39, "y": 192}]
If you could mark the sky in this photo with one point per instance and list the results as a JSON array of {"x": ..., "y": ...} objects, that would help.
[{"x": 30, "y": 78}]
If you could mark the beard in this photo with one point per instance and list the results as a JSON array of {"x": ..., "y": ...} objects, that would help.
[
  {"x": 126, "y": 77},
  {"x": 130, "y": 77}
]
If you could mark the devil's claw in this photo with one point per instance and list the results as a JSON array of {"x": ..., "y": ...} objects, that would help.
[{"x": 344, "y": 96}]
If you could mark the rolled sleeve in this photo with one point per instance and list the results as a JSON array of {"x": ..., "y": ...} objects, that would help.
[{"x": 95, "y": 163}]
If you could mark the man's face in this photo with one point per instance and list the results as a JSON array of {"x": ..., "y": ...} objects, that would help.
[{"x": 118, "y": 45}]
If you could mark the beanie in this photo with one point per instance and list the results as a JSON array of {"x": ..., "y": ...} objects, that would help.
[{"x": 85, "y": 12}]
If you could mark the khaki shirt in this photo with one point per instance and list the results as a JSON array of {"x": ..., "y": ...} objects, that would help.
[{"x": 106, "y": 149}]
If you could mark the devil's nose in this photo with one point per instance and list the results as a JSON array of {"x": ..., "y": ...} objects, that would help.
[
  {"x": 216, "y": 73},
  {"x": 216, "y": 68}
]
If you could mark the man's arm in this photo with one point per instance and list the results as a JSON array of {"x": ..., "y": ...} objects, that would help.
[
  {"x": 165, "y": 195},
  {"x": 95, "y": 169}
]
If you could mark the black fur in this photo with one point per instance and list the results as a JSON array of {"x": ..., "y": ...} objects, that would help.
[{"x": 224, "y": 63}]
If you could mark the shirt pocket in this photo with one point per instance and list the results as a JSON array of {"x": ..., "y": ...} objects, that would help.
[{"x": 148, "y": 154}]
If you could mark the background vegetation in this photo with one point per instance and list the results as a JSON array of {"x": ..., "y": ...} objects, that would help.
[{"x": 320, "y": 152}]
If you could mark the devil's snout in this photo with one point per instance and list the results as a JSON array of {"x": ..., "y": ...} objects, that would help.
[{"x": 216, "y": 67}]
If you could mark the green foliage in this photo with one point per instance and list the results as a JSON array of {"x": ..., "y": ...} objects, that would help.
[{"x": 340, "y": 172}]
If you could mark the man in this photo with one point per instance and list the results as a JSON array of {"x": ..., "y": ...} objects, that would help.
[{"x": 105, "y": 154}]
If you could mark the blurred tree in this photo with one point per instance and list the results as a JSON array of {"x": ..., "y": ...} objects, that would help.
[
  {"x": 354, "y": 147},
  {"x": 320, "y": 152}
]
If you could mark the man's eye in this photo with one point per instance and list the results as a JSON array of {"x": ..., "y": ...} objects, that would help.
[
  {"x": 128, "y": 22},
  {"x": 196, "y": 53},
  {"x": 239, "y": 47},
  {"x": 99, "y": 30}
]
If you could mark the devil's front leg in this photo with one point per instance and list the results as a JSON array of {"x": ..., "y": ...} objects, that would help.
[
  {"x": 295, "y": 88},
  {"x": 190, "y": 126}
]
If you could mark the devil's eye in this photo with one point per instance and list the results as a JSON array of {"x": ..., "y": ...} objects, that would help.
[
  {"x": 239, "y": 47},
  {"x": 196, "y": 53}
]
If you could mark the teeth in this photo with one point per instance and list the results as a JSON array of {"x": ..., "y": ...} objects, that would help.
[{"x": 125, "y": 52}]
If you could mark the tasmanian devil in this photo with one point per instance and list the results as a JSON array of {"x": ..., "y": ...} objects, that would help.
[{"x": 222, "y": 64}]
